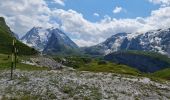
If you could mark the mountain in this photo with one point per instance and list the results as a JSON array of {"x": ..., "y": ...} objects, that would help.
[
  {"x": 6, "y": 38},
  {"x": 157, "y": 41},
  {"x": 50, "y": 41},
  {"x": 141, "y": 60},
  {"x": 112, "y": 44}
]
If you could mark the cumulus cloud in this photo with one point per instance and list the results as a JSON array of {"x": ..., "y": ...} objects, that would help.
[
  {"x": 74, "y": 22},
  {"x": 117, "y": 9},
  {"x": 159, "y": 19},
  {"x": 93, "y": 33},
  {"x": 25, "y": 14}
]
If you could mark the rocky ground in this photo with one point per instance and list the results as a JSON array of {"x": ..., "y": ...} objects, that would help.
[
  {"x": 69, "y": 84},
  {"x": 43, "y": 62}
]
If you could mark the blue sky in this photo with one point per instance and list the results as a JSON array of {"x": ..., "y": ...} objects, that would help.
[
  {"x": 130, "y": 8},
  {"x": 87, "y": 22}
]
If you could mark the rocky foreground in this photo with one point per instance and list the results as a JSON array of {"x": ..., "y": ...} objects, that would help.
[{"x": 68, "y": 84}]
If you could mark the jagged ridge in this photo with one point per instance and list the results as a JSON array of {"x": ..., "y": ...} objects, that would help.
[{"x": 156, "y": 41}]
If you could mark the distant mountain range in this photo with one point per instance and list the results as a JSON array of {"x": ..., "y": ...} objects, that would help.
[
  {"x": 156, "y": 41},
  {"x": 53, "y": 41},
  {"x": 50, "y": 41}
]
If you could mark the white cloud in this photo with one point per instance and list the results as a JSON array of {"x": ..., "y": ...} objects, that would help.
[
  {"x": 96, "y": 14},
  {"x": 93, "y": 33},
  {"x": 84, "y": 30},
  {"x": 162, "y": 2},
  {"x": 61, "y": 2},
  {"x": 159, "y": 18},
  {"x": 117, "y": 9},
  {"x": 82, "y": 42},
  {"x": 22, "y": 15}
]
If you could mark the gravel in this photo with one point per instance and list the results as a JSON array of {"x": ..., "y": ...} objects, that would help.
[{"x": 69, "y": 84}]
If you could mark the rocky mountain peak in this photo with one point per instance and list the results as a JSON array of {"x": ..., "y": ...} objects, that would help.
[{"x": 43, "y": 38}]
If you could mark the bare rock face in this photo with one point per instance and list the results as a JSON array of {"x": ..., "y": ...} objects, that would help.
[{"x": 46, "y": 62}]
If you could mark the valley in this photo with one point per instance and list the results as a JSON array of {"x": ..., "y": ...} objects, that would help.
[{"x": 82, "y": 79}]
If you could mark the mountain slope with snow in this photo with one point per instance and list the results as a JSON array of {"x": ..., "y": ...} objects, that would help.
[
  {"x": 48, "y": 40},
  {"x": 156, "y": 41}
]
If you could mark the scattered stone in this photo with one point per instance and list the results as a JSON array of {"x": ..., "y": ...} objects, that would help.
[
  {"x": 43, "y": 62},
  {"x": 68, "y": 84}
]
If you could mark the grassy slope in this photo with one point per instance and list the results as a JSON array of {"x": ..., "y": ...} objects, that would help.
[
  {"x": 152, "y": 54},
  {"x": 96, "y": 65},
  {"x": 109, "y": 67},
  {"x": 6, "y": 39},
  {"x": 5, "y": 64},
  {"x": 164, "y": 74}
]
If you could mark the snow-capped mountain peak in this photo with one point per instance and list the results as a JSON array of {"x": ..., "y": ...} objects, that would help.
[
  {"x": 155, "y": 40},
  {"x": 39, "y": 37}
]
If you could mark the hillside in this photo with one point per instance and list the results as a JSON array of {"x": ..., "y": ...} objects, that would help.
[
  {"x": 143, "y": 61},
  {"x": 164, "y": 74},
  {"x": 82, "y": 63},
  {"x": 6, "y": 37}
]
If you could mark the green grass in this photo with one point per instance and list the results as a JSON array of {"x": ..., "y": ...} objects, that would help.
[
  {"x": 83, "y": 63},
  {"x": 164, "y": 74},
  {"x": 5, "y": 64},
  {"x": 94, "y": 66},
  {"x": 74, "y": 61}
]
